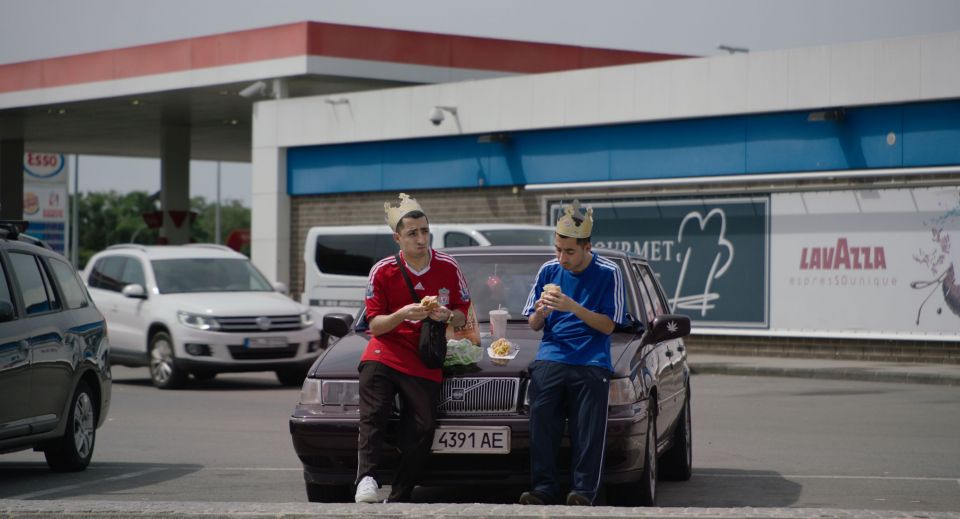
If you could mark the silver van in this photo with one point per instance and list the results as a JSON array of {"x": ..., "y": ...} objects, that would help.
[{"x": 337, "y": 259}]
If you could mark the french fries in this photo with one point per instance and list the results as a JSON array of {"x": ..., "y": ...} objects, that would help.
[{"x": 500, "y": 347}]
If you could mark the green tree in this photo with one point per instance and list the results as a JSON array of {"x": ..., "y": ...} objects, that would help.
[
  {"x": 233, "y": 215},
  {"x": 110, "y": 218}
]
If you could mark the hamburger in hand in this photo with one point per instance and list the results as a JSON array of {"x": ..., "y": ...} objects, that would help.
[{"x": 429, "y": 303}]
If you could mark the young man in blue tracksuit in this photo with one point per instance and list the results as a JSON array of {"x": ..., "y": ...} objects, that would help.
[{"x": 570, "y": 377}]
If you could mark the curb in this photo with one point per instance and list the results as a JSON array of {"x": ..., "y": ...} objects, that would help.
[
  {"x": 193, "y": 510},
  {"x": 862, "y": 374}
]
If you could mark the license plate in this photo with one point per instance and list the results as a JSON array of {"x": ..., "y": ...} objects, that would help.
[
  {"x": 467, "y": 440},
  {"x": 265, "y": 342}
]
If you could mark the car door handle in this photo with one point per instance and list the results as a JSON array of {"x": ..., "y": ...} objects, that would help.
[
  {"x": 24, "y": 346},
  {"x": 669, "y": 353},
  {"x": 679, "y": 348}
]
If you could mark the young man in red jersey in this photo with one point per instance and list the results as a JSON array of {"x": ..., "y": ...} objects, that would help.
[{"x": 391, "y": 364}]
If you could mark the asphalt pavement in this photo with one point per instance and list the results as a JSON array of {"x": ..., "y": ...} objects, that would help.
[{"x": 700, "y": 363}]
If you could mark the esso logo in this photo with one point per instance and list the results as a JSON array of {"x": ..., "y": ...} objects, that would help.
[{"x": 42, "y": 165}]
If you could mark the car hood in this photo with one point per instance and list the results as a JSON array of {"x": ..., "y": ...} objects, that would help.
[
  {"x": 234, "y": 304},
  {"x": 342, "y": 358}
]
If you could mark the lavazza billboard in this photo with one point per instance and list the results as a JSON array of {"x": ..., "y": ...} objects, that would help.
[{"x": 873, "y": 263}]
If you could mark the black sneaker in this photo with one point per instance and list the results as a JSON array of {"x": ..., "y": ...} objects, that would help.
[
  {"x": 575, "y": 499},
  {"x": 535, "y": 497}
]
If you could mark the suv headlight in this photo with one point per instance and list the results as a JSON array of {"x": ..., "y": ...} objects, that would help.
[
  {"x": 306, "y": 320},
  {"x": 200, "y": 322},
  {"x": 623, "y": 391},
  {"x": 330, "y": 392}
]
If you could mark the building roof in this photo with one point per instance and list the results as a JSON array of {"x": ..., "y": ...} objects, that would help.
[{"x": 114, "y": 102}]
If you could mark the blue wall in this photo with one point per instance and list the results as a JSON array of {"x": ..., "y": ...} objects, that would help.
[{"x": 927, "y": 134}]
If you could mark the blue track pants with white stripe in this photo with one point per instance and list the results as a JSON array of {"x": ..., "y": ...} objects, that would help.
[{"x": 577, "y": 395}]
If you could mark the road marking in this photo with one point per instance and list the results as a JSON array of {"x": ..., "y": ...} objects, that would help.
[
  {"x": 815, "y": 476},
  {"x": 54, "y": 490}
]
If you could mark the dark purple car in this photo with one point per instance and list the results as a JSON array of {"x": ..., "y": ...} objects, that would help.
[{"x": 483, "y": 432}]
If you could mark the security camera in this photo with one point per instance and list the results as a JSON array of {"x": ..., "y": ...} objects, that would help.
[
  {"x": 258, "y": 88},
  {"x": 436, "y": 116}
]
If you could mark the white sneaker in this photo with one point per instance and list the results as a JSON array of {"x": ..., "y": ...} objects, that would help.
[{"x": 367, "y": 491}]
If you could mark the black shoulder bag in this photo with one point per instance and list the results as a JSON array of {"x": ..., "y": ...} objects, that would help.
[{"x": 433, "y": 334}]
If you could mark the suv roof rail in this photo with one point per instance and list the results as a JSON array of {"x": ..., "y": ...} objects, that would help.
[
  {"x": 211, "y": 246},
  {"x": 128, "y": 246},
  {"x": 12, "y": 228}
]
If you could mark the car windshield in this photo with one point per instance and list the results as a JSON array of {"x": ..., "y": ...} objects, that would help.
[
  {"x": 500, "y": 281},
  {"x": 519, "y": 236},
  {"x": 208, "y": 275}
]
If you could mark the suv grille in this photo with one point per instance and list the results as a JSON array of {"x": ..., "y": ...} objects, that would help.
[
  {"x": 479, "y": 395},
  {"x": 273, "y": 323}
]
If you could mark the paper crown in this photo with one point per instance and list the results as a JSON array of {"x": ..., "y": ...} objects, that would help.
[
  {"x": 573, "y": 223},
  {"x": 394, "y": 214}
]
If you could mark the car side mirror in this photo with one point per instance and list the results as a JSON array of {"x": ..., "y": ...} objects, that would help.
[
  {"x": 337, "y": 324},
  {"x": 135, "y": 291},
  {"x": 670, "y": 326},
  {"x": 280, "y": 287},
  {"x": 6, "y": 311}
]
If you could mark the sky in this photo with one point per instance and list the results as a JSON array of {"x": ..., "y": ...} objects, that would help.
[{"x": 36, "y": 29}]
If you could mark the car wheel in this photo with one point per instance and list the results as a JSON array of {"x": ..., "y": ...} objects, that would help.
[
  {"x": 73, "y": 451},
  {"x": 291, "y": 376},
  {"x": 329, "y": 493},
  {"x": 163, "y": 366},
  {"x": 678, "y": 461},
  {"x": 627, "y": 494},
  {"x": 648, "y": 488}
]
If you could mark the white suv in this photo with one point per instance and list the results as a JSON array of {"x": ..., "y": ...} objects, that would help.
[{"x": 198, "y": 310}]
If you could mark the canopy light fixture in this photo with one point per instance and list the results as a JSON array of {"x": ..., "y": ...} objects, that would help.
[{"x": 833, "y": 114}]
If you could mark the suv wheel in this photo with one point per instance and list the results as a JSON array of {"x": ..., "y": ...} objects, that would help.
[
  {"x": 73, "y": 451},
  {"x": 163, "y": 365}
]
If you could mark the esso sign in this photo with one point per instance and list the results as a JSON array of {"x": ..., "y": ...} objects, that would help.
[{"x": 42, "y": 166}]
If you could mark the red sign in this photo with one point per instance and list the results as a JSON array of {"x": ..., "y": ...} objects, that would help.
[{"x": 238, "y": 238}]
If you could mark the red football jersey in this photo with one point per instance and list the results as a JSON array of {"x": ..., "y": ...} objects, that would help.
[{"x": 387, "y": 292}]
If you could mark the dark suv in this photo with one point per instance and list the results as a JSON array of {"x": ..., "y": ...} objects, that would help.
[{"x": 54, "y": 368}]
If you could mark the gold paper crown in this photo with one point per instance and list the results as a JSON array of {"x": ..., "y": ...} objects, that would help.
[
  {"x": 394, "y": 214},
  {"x": 573, "y": 223}
]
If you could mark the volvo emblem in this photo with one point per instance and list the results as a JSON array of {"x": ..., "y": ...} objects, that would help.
[
  {"x": 457, "y": 395},
  {"x": 263, "y": 323}
]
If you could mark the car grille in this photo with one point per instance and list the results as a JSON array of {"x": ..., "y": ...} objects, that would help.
[
  {"x": 242, "y": 353},
  {"x": 479, "y": 395},
  {"x": 273, "y": 323}
]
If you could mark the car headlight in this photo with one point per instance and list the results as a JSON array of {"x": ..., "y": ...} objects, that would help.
[
  {"x": 200, "y": 322},
  {"x": 623, "y": 391},
  {"x": 306, "y": 320},
  {"x": 330, "y": 392}
]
